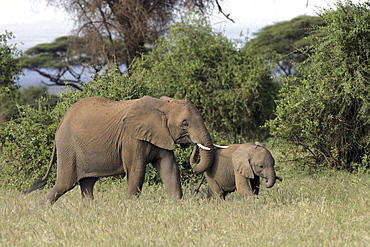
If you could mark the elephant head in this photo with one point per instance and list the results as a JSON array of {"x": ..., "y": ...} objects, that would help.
[
  {"x": 251, "y": 160},
  {"x": 166, "y": 121}
]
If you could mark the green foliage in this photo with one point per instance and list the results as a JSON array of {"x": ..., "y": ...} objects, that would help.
[
  {"x": 32, "y": 95},
  {"x": 9, "y": 72},
  {"x": 288, "y": 36},
  {"x": 26, "y": 144},
  {"x": 26, "y": 140},
  {"x": 49, "y": 55},
  {"x": 231, "y": 87},
  {"x": 8, "y": 99},
  {"x": 327, "y": 110}
]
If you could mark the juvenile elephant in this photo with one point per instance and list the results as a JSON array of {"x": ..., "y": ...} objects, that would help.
[
  {"x": 238, "y": 167},
  {"x": 98, "y": 137}
]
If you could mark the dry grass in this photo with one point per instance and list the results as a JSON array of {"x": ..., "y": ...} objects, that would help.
[{"x": 325, "y": 210}]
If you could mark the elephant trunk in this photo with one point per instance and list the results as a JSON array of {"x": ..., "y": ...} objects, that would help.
[
  {"x": 270, "y": 179},
  {"x": 206, "y": 160}
]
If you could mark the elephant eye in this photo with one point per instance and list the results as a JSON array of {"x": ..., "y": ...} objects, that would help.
[
  {"x": 260, "y": 166},
  {"x": 184, "y": 124}
]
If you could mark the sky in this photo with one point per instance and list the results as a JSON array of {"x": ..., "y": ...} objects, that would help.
[{"x": 33, "y": 22}]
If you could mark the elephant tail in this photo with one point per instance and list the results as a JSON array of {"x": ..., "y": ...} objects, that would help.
[{"x": 41, "y": 182}]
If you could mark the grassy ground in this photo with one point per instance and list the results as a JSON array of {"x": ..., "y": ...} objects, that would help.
[{"x": 324, "y": 210}]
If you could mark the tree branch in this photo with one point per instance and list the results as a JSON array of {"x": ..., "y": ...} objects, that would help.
[
  {"x": 220, "y": 10},
  {"x": 58, "y": 81}
]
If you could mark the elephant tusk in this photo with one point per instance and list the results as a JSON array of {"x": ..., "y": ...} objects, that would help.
[
  {"x": 219, "y": 146},
  {"x": 203, "y": 147}
]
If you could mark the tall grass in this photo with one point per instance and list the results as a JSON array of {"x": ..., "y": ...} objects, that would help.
[{"x": 331, "y": 209}]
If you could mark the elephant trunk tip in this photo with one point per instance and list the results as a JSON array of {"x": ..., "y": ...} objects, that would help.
[{"x": 270, "y": 183}]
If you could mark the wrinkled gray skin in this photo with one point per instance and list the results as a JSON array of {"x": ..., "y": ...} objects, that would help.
[
  {"x": 239, "y": 168},
  {"x": 98, "y": 137}
]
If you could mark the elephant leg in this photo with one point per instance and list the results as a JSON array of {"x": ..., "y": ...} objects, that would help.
[
  {"x": 210, "y": 193},
  {"x": 214, "y": 190},
  {"x": 54, "y": 193},
  {"x": 243, "y": 185},
  {"x": 65, "y": 181},
  {"x": 170, "y": 174},
  {"x": 135, "y": 180},
  {"x": 87, "y": 187}
]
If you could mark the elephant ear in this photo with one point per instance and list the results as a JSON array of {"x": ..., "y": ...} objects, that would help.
[
  {"x": 144, "y": 121},
  {"x": 241, "y": 161}
]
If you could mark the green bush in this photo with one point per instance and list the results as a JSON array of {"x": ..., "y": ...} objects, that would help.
[
  {"x": 9, "y": 72},
  {"x": 327, "y": 109},
  {"x": 26, "y": 144},
  {"x": 231, "y": 87}
]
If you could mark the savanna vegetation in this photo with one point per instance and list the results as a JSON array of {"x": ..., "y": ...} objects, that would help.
[
  {"x": 322, "y": 110},
  {"x": 326, "y": 209},
  {"x": 326, "y": 109},
  {"x": 316, "y": 122}
]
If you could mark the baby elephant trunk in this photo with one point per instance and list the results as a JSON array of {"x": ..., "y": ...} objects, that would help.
[{"x": 270, "y": 179}]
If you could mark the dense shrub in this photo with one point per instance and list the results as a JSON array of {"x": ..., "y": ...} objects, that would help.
[
  {"x": 26, "y": 144},
  {"x": 9, "y": 72},
  {"x": 327, "y": 110},
  {"x": 232, "y": 87}
]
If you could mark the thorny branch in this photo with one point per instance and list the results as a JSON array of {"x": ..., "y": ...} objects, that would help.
[
  {"x": 59, "y": 81},
  {"x": 221, "y": 11}
]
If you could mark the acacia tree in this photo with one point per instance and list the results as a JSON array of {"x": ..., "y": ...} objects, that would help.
[
  {"x": 289, "y": 40},
  {"x": 117, "y": 30},
  {"x": 62, "y": 64}
]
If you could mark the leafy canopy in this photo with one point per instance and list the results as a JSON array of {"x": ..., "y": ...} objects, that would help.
[{"x": 288, "y": 39}]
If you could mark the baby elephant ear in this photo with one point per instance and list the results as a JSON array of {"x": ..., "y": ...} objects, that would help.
[
  {"x": 241, "y": 161},
  {"x": 144, "y": 121}
]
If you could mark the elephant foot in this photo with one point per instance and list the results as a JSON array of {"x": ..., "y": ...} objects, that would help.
[{"x": 45, "y": 202}]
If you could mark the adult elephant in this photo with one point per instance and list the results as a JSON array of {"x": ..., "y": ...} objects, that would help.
[
  {"x": 98, "y": 137},
  {"x": 239, "y": 168}
]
